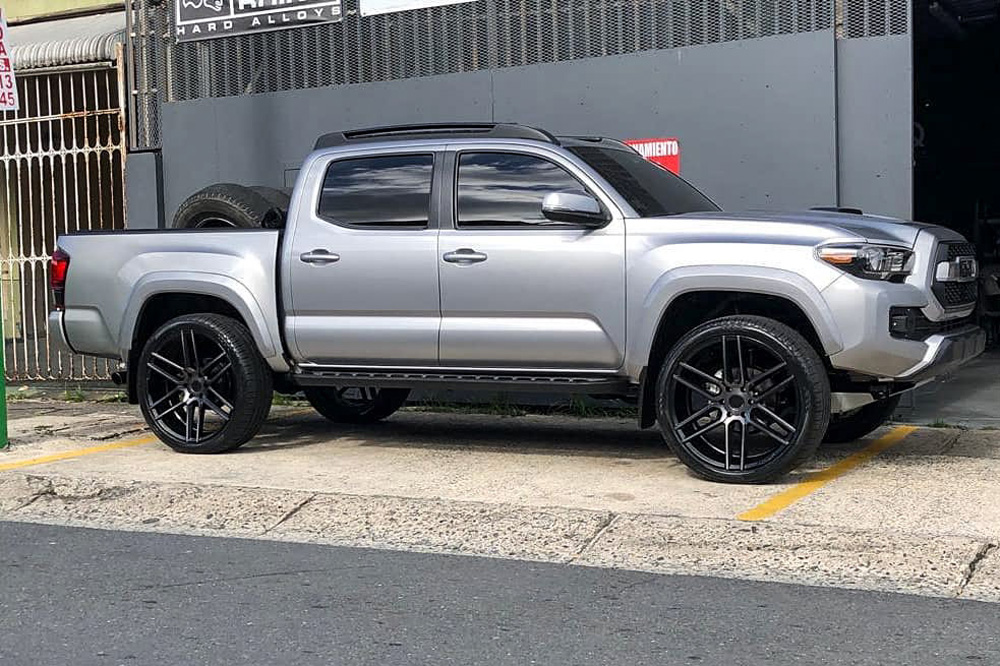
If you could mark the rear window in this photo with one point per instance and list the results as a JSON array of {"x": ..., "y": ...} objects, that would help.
[
  {"x": 650, "y": 189},
  {"x": 389, "y": 191}
]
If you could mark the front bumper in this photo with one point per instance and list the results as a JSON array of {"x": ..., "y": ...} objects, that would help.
[
  {"x": 945, "y": 353},
  {"x": 861, "y": 309}
]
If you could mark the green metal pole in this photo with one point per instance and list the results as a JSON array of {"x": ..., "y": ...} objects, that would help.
[{"x": 3, "y": 388}]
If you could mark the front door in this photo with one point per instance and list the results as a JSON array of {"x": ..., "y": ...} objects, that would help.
[
  {"x": 518, "y": 291},
  {"x": 361, "y": 269}
]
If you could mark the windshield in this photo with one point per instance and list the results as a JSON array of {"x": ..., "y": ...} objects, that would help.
[{"x": 650, "y": 189}]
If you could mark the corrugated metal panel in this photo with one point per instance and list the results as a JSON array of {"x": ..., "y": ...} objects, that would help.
[{"x": 69, "y": 41}]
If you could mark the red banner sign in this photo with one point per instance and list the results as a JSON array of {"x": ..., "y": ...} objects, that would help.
[{"x": 665, "y": 152}]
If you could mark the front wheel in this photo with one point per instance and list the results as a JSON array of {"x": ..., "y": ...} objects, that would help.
[
  {"x": 356, "y": 404},
  {"x": 860, "y": 422},
  {"x": 743, "y": 399},
  {"x": 203, "y": 387}
]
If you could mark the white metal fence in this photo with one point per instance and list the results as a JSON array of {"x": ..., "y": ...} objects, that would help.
[{"x": 62, "y": 160}]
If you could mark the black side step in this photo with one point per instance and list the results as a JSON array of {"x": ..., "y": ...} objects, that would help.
[{"x": 507, "y": 381}]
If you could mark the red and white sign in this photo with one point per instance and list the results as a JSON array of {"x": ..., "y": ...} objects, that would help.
[
  {"x": 665, "y": 152},
  {"x": 8, "y": 88}
]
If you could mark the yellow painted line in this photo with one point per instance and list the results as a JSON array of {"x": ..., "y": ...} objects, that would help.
[
  {"x": 785, "y": 499},
  {"x": 76, "y": 453}
]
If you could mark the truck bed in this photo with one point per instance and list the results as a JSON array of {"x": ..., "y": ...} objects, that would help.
[{"x": 113, "y": 275}]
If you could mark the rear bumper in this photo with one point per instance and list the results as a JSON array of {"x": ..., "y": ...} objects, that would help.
[{"x": 57, "y": 334}]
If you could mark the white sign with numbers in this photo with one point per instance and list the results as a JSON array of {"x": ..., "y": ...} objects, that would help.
[{"x": 8, "y": 89}]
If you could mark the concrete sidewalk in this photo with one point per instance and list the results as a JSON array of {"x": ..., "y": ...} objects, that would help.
[{"x": 922, "y": 516}]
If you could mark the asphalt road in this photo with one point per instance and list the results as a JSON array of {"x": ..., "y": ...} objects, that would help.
[{"x": 80, "y": 596}]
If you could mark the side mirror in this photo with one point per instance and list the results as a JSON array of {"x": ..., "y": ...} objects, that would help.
[{"x": 581, "y": 209}]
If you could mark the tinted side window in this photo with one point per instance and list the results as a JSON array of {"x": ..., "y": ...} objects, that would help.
[
  {"x": 372, "y": 192},
  {"x": 504, "y": 189}
]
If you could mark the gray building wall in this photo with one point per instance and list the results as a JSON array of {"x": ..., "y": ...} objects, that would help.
[
  {"x": 756, "y": 118},
  {"x": 875, "y": 123}
]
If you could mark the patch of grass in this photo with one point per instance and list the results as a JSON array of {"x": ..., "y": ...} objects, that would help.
[
  {"x": 74, "y": 395},
  {"x": 944, "y": 424},
  {"x": 116, "y": 397},
  {"x": 22, "y": 393},
  {"x": 282, "y": 400}
]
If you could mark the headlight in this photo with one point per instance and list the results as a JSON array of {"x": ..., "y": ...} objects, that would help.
[{"x": 872, "y": 262}]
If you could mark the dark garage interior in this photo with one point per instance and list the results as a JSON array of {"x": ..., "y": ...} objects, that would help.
[{"x": 956, "y": 137}]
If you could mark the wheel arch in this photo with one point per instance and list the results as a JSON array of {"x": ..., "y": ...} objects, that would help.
[
  {"x": 694, "y": 307},
  {"x": 156, "y": 301}
]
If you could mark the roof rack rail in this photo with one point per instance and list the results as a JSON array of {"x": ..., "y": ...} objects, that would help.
[{"x": 430, "y": 130}]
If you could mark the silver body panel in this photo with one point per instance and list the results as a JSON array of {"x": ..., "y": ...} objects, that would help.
[{"x": 534, "y": 299}]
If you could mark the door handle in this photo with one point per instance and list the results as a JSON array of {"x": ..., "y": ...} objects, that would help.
[
  {"x": 320, "y": 257},
  {"x": 464, "y": 256}
]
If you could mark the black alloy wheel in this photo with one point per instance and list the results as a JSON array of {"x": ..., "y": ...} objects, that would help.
[
  {"x": 356, "y": 404},
  {"x": 203, "y": 386},
  {"x": 743, "y": 399}
]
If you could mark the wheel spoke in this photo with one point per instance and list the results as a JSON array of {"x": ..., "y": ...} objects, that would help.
[
  {"x": 702, "y": 431},
  {"x": 743, "y": 446},
  {"x": 728, "y": 428},
  {"x": 221, "y": 398},
  {"x": 769, "y": 433},
  {"x": 764, "y": 375},
  {"x": 704, "y": 411},
  {"x": 195, "y": 362},
  {"x": 166, "y": 375},
  {"x": 777, "y": 419},
  {"x": 208, "y": 366},
  {"x": 727, "y": 376},
  {"x": 200, "y": 423},
  {"x": 169, "y": 394},
  {"x": 169, "y": 411},
  {"x": 697, "y": 389},
  {"x": 707, "y": 377},
  {"x": 214, "y": 378},
  {"x": 215, "y": 408},
  {"x": 784, "y": 382},
  {"x": 185, "y": 351},
  {"x": 188, "y": 420},
  {"x": 739, "y": 357}
]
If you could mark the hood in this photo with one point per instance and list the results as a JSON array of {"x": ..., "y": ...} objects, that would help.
[{"x": 872, "y": 228}]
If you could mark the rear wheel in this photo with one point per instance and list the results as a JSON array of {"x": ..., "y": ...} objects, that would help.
[
  {"x": 203, "y": 387},
  {"x": 356, "y": 404},
  {"x": 857, "y": 423},
  {"x": 743, "y": 399}
]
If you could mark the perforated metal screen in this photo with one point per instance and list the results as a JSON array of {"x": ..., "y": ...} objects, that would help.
[{"x": 460, "y": 38}]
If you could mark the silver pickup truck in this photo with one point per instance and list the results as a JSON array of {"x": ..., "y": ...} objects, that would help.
[{"x": 501, "y": 257}]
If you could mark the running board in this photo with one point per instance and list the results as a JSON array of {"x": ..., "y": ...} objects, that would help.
[{"x": 492, "y": 380}]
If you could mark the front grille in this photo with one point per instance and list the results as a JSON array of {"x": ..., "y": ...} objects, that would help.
[
  {"x": 959, "y": 293},
  {"x": 955, "y": 294},
  {"x": 911, "y": 324},
  {"x": 956, "y": 250}
]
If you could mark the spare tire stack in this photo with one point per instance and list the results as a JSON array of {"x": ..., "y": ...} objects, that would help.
[{"x": 232, "y": 206}]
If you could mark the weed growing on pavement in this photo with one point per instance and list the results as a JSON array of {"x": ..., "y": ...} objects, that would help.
[
  {"x": 282, "y": 400},
  {"x": 74, "y": 395},
  {"x": 22, "y": 393},
  {"x": 944, "y": 424}
]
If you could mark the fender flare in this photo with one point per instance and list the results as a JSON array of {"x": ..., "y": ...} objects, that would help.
[
  {"x": 737, "y": 279},
  {"x": 208, "y": 284}
]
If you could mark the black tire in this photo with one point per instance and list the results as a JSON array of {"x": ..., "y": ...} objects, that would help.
[
  {"x": 229, "y": 206},
  {"x": 206, "y": 367},
  {"x": 860, "y": 422},
  {"x": 356, "y": 405},
  {"x": 778, "y": 391}
]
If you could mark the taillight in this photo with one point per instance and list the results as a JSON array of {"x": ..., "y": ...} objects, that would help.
[{"x": 58, "y": 267}]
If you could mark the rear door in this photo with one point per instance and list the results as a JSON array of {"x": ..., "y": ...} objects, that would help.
[
  {"x": 361, "y": 266},
  {"x": 518, "y": 291}
]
